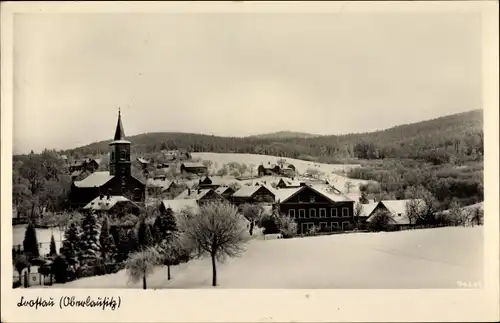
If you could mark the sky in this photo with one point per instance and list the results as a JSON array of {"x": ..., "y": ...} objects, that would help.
[{"x": 238, "y": 74}]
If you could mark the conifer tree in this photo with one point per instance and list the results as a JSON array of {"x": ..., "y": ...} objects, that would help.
[
  {"x": 144, "y": 236},
  {"x": 53, "y": 251},
  {"x": 89, "y": 244},
  {"x": 71, "y": 244},
  {"x": 108, "y": 247},
  {"x": 164, "y": 225},
  {"x": 30, "y": 242}
]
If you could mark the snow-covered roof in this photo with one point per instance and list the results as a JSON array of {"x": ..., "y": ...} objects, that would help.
[
  {"x": 195, "y": 194},
  {"x": 163, "y": 183},
  {"x": 290, "y": 182},
  {"x": 95, "y": 179},
  {"x": 248, "y": 191},
  {"x": 222, "y": 189},
  {"x": 397, "y": 209},
  {"x": 105, "y": 203},
  {"x": 282, "y": 194},
  {"x": 193, "y": 165},
  {"x": 179, "y": 205},
  {"x": 367, "y": 208}
]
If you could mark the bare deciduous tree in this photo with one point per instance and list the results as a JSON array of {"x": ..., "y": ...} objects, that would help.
[
  {"x": 218, "y": 230},
  {"x": 414, "y": 209},
  {"x": 253, "y": 212},
  {"x": 348, "y": 186},
  {"x": 358, "y": 210}
]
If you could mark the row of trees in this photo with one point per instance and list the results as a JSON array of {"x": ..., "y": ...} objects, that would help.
[{"x": 90, "y": 245}]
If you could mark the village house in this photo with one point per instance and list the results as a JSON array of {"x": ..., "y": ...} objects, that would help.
[
  {"x": 142, "y": 163},
  {"x": 397, "y": 210},
  {"x": 316, "y": 205},
  {"x": 253, "y": 194},
  {"x": 87, "y": 164},
  {"x": 200, "y": 195},
  {"x": 119, "y": 205},
  {"x": 160, "y": 184},
  {"x": 118, "y": 181},
  {"x": 178, "y": 206},
  {"x": 194, "y": 168},
  {"x": 226, "y": 192},
  {"x": 366, "y": 210},
  {"x": 288, "y": 183},
  {"x": 215, "y": 181},
  {"x": 269, "y": 170}
]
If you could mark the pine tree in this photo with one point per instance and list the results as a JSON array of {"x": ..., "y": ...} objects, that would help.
[
  {"x": 30, "y": 242},
  {"x": 71, "y": 244},
  {"x": 164, "y": 224},
  {"x": 144, "y": 236},
  {"x": 53, "y": 251},
  {"x": 108, "y": 247},
  {"x": 89, "y": 243}
]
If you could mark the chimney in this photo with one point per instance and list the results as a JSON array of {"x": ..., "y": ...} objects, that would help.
[
  {"x": 101, "y": 196},
  {"x": 199, "y": 190},
  {"x": 189, "y": 191},
  {"x": 302, "y": 184}
]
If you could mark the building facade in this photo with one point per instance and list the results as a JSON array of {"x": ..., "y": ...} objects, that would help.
[{"x": 118, "y": 181}]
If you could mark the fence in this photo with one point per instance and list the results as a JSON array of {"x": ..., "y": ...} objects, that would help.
[{"x": 32, "y": 279}]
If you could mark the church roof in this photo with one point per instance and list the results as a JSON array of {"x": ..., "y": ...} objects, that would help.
[
  {"x": 96, "y": 179},
  {"x": 119, "y": 137}
]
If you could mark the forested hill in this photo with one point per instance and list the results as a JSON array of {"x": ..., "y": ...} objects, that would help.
[
  {"x": 438, "y": 140},
  {"x": 283, "y": 135}
]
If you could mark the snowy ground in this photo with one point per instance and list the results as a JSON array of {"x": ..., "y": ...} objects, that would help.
[{"x": 430, "y": 258}]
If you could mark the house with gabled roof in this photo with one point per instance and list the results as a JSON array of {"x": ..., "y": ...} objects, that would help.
[
  {"x": 288, "y": 183},
  {"x": 194, "y": 168},
  {"x": 119, "y": 205},
  {"x": 225, "y": 191},
  {"x": 178, "y": 206},
  {"x": 318, "y": 206},
  {"x": 253, "y": 194},
  {"x": 204, "y": 195},
  {"x": 118, "y": 181},
  {"x": 397, "y": 209}
]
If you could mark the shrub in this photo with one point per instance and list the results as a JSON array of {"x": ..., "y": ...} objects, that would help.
[
  {"x": 380, "y": 221},
  {"x": 60, "y": 269}
]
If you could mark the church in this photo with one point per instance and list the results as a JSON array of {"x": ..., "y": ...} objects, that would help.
[{"x": 118, "y": 181}]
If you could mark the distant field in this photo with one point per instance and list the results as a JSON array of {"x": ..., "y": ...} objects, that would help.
[
  {"x": 301, "y": 166},
  {"x": 429, "y": 258}
]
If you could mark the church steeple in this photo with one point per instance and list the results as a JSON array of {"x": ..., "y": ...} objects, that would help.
[
  {"x": 119, "y": 132},
  {"x": 119, "y": 162}
]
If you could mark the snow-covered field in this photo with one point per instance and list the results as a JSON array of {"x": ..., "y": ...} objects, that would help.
[
  {"x": 429, "y": 258},
  {"x": 330, "y": 170}
]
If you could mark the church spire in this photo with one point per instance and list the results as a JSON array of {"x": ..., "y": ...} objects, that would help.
[{"x": 119, "y": 132}]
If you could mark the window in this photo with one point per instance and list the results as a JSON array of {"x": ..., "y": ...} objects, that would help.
[
  {"x": 399, "y": 214},
  {"x": 306, "y": 227},
  {"x": 302, "y": 213},
  {"x": 345, "y": 226},
  {"x": 335, "y": 226},
  {"x": 112, "y": 156},
  {"x": 291, "y": 213},
  {"x": 323, "y": 226},
  {"x": 312, "y": 213},
  {"x": 123, "y": 154},
  {"x": 333, "y": 213},
  {"x": 322, "y": 213},
  {"x": 345, "y": 212},
  {"x": 312, "y": 199}
]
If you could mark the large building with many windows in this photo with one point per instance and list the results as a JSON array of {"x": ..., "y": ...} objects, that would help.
[{"x": 316, "y": 205}]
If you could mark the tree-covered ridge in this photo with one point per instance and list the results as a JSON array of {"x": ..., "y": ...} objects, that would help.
[{"x": 444, "y": 139}]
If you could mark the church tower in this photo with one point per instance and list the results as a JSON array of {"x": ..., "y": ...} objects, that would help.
[{"x": 119, "y": 162}]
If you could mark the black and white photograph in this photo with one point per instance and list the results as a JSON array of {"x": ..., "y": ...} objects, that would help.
[{"x": 248, "y": 150}]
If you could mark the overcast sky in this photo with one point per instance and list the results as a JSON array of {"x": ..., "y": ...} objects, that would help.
[{"x": 238, "y": 74}]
